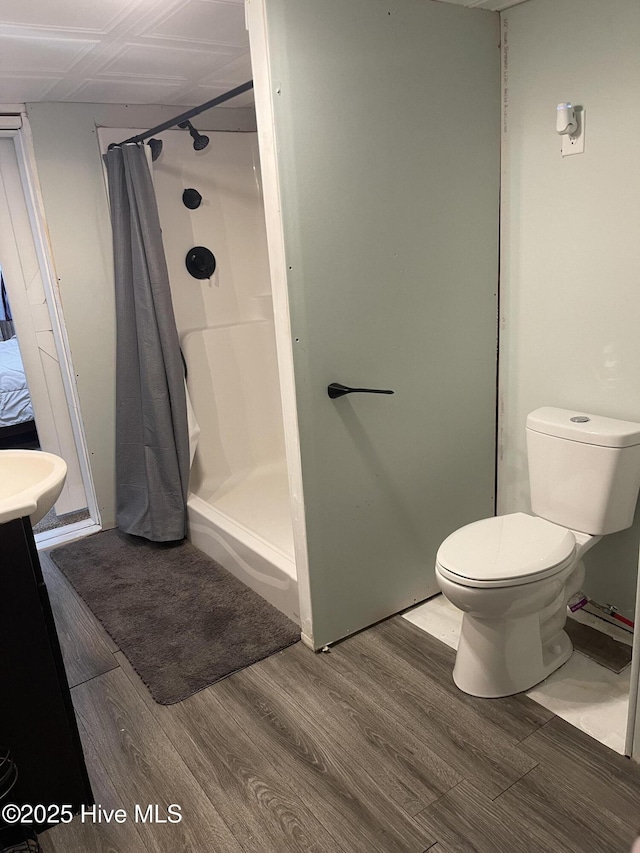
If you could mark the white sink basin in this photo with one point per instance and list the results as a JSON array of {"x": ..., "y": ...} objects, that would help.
[{"x": 30, "y": 483}]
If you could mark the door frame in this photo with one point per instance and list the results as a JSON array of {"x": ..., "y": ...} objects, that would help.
[
  {"x": 14, "y": 124},
  {"x": 263, "y": 89}
]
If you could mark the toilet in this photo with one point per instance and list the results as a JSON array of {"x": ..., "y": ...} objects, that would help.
[{"x": 513, "y": 575}]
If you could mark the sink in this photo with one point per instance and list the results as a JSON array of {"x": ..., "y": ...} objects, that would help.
[{"x": 30, "y": 483}]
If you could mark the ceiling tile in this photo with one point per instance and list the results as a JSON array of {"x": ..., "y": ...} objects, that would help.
[
  {"x": 232, "y": 73},
  {"x": 205, "y": 21},
  {"x": 148, "y": 61},
  {"x": 37, "y": 54},
  {"x": 24, "y": 89},
  {"x": 64, "y": 14},
  {"x": 124, "y": 92}
]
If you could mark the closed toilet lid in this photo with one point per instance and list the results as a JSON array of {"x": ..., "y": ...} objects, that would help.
[{"x": 506, "y": 550}]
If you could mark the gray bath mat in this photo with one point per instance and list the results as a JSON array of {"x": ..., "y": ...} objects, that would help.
[
  {"x": 180, "y": 618},
  {"x": 600, "y": 647}
]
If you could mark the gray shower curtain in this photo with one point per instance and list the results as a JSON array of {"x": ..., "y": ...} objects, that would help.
[{"x": 152, "y": 440}]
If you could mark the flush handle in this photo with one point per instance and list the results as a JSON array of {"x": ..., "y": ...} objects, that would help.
[{"x": 337, "y": 390}]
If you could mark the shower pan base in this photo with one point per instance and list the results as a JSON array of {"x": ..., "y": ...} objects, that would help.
[{"x": 267, "y": 566}]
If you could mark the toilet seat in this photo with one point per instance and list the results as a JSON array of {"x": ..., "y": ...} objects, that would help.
[{"x": 508, "y": 550}]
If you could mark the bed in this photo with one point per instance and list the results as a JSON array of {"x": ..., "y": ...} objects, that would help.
[{"x": 16, "y": 411}]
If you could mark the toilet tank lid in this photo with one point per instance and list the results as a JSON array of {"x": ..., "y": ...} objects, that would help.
[{"x": 584, "y": 428}]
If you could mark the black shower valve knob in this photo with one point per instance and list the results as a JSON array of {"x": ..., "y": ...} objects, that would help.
[
  {"x": 200, "y": 262},
  {"x": 191, "y": 198}
]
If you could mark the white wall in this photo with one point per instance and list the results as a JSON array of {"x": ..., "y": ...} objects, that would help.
[
  {"x": 76, "y": 208},
  {"x": 570, "y": 293},
  {"x": 229, "y": 221},
  {"x": 236, "y": 399}
]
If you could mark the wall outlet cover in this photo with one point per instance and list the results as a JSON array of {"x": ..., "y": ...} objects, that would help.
[{"x": 575, "y": 144}]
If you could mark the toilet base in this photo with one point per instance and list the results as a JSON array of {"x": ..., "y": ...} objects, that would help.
[{"x": 500, "y": 657}]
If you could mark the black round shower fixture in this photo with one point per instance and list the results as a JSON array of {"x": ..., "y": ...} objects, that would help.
[
  {"x": 200, "y": 262},
  {"x": 191, "y": 198}
]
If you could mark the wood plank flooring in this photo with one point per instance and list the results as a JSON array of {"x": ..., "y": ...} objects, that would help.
[
  {"x": 368, "y": 748},
  {"x": 87, "y": 649}
]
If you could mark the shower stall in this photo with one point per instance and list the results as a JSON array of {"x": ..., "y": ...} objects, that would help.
[{"x": 238, "y": 506}]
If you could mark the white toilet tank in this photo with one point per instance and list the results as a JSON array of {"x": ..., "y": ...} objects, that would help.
[{"x": 584, "y": 470}]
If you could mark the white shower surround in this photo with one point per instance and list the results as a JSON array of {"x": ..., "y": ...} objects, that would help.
[{"x": 238, "y": 506}]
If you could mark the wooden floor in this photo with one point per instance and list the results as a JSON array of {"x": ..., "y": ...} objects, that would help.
[{"x": 368, "y": 748}]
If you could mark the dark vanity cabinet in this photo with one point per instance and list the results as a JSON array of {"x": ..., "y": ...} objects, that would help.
[{"x": 37, "y": 721}]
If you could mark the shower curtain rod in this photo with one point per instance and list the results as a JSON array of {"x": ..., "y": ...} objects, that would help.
[{"x": 189, "y": 114}]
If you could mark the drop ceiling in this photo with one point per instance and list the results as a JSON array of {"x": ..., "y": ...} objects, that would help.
[
  {"x": 181, "y": 52},
  {"x": 123, "y": 51}
]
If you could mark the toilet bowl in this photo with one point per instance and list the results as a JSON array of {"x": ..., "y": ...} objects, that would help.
[{"x": 513, "y": 575}]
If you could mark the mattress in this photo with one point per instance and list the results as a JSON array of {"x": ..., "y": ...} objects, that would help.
[{"x": 15, "y": 402}]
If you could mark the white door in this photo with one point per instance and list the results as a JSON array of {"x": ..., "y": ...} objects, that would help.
[
  {"x": 23, "y": 275},
  {"x": 385, "y": 119}
]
